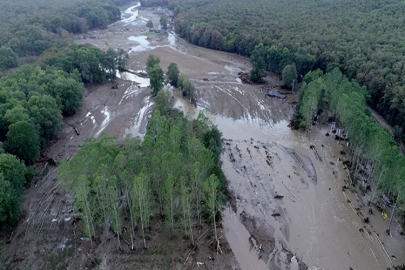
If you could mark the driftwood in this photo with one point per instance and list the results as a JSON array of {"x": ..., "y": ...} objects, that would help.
[{"x": 74, "y": 127}]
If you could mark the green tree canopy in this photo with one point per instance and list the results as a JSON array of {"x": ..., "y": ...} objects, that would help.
[
  {"x": 163, "y": 22},
  {"x": 289, "y": 75},
  {"x": 152, "y": 61},
  {"x": 173, "y": 73},
  {"x": 12, "y": 173},
  {"x": 23, "y": 140},
  {"x": 156, "y": 76},
  {"x": 149, "y": 24}
]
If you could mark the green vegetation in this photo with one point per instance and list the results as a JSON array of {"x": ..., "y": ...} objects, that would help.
[
  {"x": 149, "y": 24},
  {"x": 29, "y": 29},
  {"x": 34, "y": 99},
  {"x": 150, "y": 3},
  {"x": 156, "y": 76},
  {"x": 364, "y": 39},
  {"x": 163, "y": 22},
  {"x": 12, "y": 179},
  {"x": 187, "y": 87},
  {"x": 152, "y": 61},
  {"x": 162, "y": 176},
  {"x": 173, "y": 74},
  {"x": 373, "y": 149}
]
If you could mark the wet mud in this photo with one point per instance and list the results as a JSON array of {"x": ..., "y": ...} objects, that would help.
[
  {"x": 288, "y": 210},
  {"x": 312, "y": 224}
]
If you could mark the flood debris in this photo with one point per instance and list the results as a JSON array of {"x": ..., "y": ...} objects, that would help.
[
  {"x": 279, "y": 197},
  {"x": 275, "y": 93},
  {"x": 244, "y": 77}
]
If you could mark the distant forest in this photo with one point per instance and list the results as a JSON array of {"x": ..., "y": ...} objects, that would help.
[
  {"x": 28, "y": 28},
  {"x": 365, "y": 39}
]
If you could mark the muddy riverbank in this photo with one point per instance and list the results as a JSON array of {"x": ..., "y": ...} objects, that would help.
[{"x": 290, "y": 208}]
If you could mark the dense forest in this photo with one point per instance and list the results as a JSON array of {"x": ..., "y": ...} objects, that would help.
[
  {"x": 173, "y": 174},
  {"x": 364, "y": 39},
  {"x": 35, "y": 98},
  {"x": 29, "y": 30}
]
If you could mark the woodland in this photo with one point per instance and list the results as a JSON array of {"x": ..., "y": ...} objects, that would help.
[
  {"x": 35, "y": 98},
  {"x": 364, "y": 39}
]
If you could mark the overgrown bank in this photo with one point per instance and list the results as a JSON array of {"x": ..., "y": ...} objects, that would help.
[{"x": 376, "y": 162}]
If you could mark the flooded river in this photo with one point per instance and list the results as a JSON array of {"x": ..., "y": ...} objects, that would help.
[{"x": 290, "y": 208}]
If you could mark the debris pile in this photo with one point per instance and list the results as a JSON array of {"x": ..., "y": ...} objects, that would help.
[{"x": 244, "y": 77}]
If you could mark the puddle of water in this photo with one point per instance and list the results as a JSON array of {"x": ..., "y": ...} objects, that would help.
[
  {"x": 143, "y": 44},
  {"x": 142, "y": 82},
  {"x": 107, "y": 117},
  {"x": 134, "y": 13}
]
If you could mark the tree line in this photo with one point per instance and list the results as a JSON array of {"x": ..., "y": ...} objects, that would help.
[
  {"x": 363, "y": 39},
  {"x": 375, "y": 153},
  {"x": 33, "y": 101},
  {"x": 172, "y": 175}
]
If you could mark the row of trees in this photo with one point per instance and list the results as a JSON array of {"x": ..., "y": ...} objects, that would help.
[
  {"x": 363, "y": 39},
  {"x": 173, "y": 174},
  {"x": 374, "y": 150},
  {"x": 156, "y": 76}
]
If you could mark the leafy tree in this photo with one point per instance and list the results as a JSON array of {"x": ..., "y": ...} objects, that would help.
[
  {"x": 46, "y": 115},
  {"x": 187, "y": 87},
  {"x": 23, "y": 140},
  {"x": 186, "y": 205},
  {"x": 122, "y": 59},
  {"x": 256, "y": 75},
  {"x": 211, "y": 199},
  {"x": 289, "y": 75},
  {"x": 8, "y": 58},
  {"x": 16, "y": 114},
  {"x": 156, "y": 76},
  {"x": 170, "y": 200},
  {"x": 163, "y": 22},
  {"x": 162, "y": 101},
  {"x": 142, "y": 202},
  {"x": 149, "y": 24},
  {"x": 83, "y": 206},
  {"x": 213, "y": 141},
  {"x": 151, "y": 62},
  {"x": 12, "y": 178},
  {"x": 173, "y": 73}
]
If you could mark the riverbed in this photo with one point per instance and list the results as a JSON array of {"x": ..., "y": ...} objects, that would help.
[
  {"x": 289, "y": 208},
  {"x": 317, "y": 223}
]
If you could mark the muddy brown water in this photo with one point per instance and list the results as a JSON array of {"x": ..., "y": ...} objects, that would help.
[
  {"x": 264, "y": 158},
  {"x": 313, "y": 223}
]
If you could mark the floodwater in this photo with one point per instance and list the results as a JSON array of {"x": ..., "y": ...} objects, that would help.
[{"x": 314, "y": 222}]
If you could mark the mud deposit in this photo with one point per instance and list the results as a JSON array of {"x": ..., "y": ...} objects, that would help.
[{"x": 288, "y": 209}]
